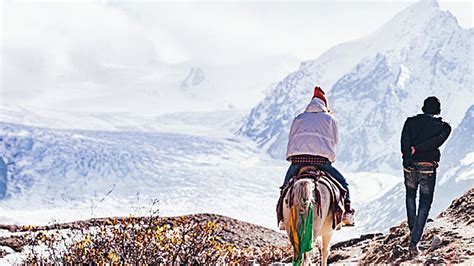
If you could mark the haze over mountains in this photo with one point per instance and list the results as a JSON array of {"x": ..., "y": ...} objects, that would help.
[{"x": 100, "y": 56}]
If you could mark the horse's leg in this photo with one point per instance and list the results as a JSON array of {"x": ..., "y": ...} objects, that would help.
[
  {"x": 325, "y": 248},
  {"x": 307, "y": 258}
]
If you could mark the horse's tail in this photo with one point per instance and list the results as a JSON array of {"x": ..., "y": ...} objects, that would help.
[{"x": 301, "y": 218}]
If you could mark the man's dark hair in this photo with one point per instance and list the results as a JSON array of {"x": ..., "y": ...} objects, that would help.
[{"x": 431, "y": 105}]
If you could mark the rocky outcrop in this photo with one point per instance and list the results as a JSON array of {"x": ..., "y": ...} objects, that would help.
[{"x": 446, "y": 240}]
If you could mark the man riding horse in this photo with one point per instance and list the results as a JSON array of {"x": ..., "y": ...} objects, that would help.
[{"x": 312, "y": 142}]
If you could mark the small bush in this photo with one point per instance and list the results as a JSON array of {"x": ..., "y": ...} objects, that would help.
[{"x": 134, "y": 240}]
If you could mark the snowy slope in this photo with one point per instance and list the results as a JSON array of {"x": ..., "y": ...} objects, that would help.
[
  {"x": 65, "y": 175},
  {"x": 71, "y": 169},
  {"x": 455, "y": 175},
  {"x": 222, "y": 122},
  {"x": 374, "y": 83}
]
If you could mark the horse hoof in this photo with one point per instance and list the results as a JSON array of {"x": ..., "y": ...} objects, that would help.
[{"x": 281, "y": 226}]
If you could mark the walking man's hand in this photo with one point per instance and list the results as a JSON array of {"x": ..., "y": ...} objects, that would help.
[{"x": 412, "y": 150}]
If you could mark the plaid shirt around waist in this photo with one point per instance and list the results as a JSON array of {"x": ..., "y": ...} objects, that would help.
[{"x": 308, "y": 159}]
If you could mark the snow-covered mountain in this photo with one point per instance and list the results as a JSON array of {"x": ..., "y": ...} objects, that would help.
[
  {"x": 455, "y": 175},
  {"x": 373, "y": 84},
  {"x": 458, "y": 171},
  {"x": 195, "y": 77}
]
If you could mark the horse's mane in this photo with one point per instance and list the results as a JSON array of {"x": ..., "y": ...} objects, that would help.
[{"x": 302, "y": 194}]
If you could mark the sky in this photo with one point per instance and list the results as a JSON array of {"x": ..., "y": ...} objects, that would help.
[
  {"x": 301, "y": 29},
  {"x": 57, "y": 45}
]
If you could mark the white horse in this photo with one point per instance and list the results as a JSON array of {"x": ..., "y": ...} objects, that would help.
[{"x": 300, "y": 198}]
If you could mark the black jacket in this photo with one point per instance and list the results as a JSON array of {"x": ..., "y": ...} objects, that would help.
[{"x": 426, "y": 133}]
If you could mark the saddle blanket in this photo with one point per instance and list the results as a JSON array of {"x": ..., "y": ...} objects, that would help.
[{"x": 338, "y": 193}]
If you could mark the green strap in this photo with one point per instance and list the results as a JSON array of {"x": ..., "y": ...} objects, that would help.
[{"x": 305, "y": 235}]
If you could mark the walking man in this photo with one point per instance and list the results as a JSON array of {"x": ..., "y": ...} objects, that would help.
[{"x": 422, "y": 135}]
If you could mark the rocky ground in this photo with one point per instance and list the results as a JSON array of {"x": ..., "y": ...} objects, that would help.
[{"x": 449, "y": 239}]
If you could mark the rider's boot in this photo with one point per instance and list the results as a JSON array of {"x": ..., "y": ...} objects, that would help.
[{"x": 348, "y": 216}]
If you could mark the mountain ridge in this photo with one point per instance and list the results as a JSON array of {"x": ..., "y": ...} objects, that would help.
[{"x": 384, "y": 78}]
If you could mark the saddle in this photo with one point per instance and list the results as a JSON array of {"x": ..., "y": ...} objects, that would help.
[{"x": 338, "y": 193}]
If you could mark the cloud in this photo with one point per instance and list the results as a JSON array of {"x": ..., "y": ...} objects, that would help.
[
  {"x": 49, "y": 46},
  {"x": 56, "y": 50}
]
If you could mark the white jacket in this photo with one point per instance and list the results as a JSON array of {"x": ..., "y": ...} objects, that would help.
[{"x": 314, "y": 132}]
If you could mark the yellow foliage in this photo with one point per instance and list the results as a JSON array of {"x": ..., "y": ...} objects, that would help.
[
  {"x": 113, "y": 257},
  {"x": 134, "y": 241}
]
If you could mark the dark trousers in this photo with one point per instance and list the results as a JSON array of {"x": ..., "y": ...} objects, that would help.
[
  {"x": 425, "y": 178},
  {"x": 295, "y": 168}
]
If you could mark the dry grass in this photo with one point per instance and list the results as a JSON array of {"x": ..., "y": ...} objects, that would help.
[
  {"x": 144, "y": 240},
  {"x": 133, "y": 240}
]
